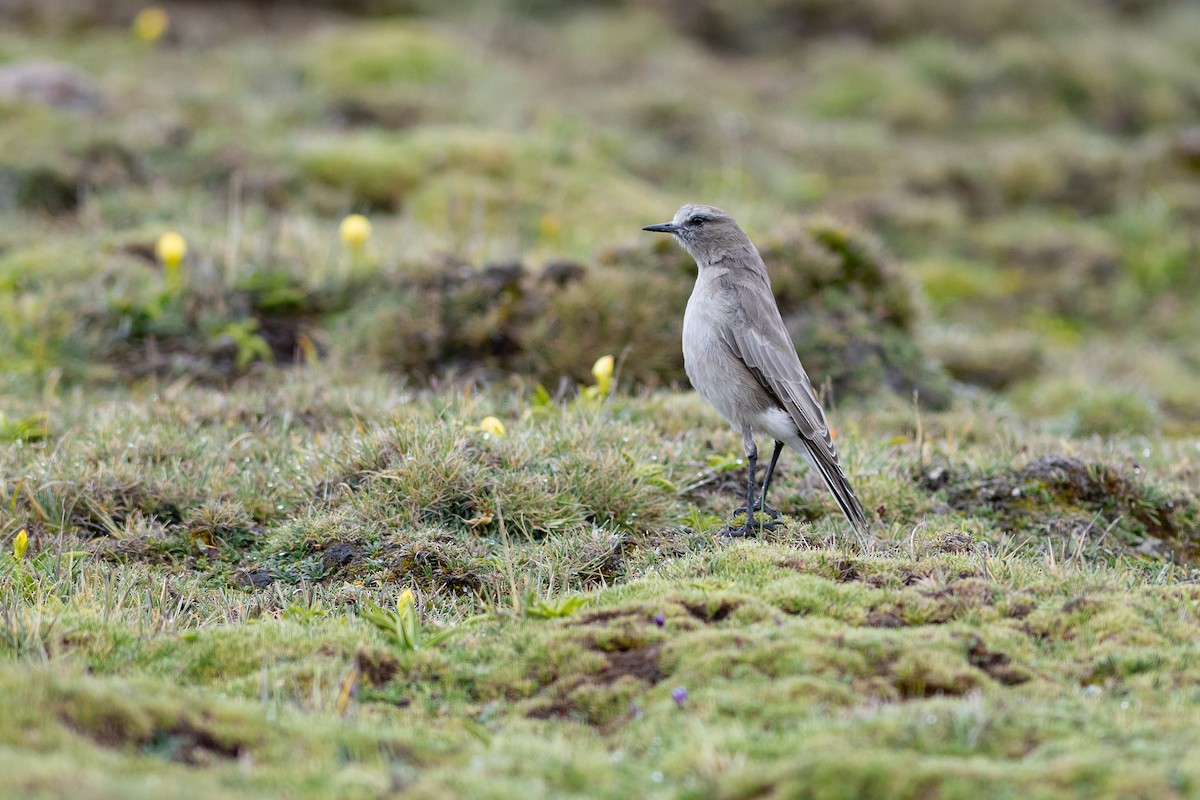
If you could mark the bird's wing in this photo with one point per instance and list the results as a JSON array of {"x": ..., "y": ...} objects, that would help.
[{"x": 759, "y": 338}]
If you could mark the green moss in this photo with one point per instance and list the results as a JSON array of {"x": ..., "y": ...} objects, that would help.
[{"x": 389, "y": 71}]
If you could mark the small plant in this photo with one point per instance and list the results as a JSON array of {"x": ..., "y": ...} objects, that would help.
[
  {"x": 47, "y": 575},
  {"x": 20, "y": 544},
  {"x": 541, "y": 403},
  {"x": 354, "y": 231},
  {"x": 493, "y": 426},
  {"x": 275, "y": 290},
  {"x": 303, "y": 613},
  {"x": 170, "y": 249},
  {"x": 652, "y": 474},
  {"x": 700, "y": 521},
  {"x": 552, "y": 607},
  {"x": 250, "y": 346},
  {"x": 26, "y": 429},
  {"x": 602, "y": 371},
  {"x": 725, "y": 463},
  {"x": 403, "y": 626}
]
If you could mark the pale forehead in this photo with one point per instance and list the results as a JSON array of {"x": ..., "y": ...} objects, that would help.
[{"x": 696, "y": 208}]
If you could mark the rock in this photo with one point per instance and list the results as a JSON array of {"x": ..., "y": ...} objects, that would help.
[
  {"x": 50, "y": 83},
  {"x": 251, "y": 578},
  {"x": 340, "y": 554}
]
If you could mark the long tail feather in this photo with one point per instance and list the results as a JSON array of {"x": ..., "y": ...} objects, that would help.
[{"x": 835, "y": 479}]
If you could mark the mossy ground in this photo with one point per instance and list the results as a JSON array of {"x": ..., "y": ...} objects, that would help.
[{"x": 981, "y": 230}]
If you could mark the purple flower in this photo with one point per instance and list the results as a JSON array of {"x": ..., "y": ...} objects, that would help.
[
  {"x": 660, "y": 620},
  {"x": 679, "y": 695},
  {"x": 635, "y": 710}
]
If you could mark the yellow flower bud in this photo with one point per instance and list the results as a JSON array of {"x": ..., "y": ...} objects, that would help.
[
  {"x": 170, "y": 249},
  {"x": 492, "y": 426},
  {"x": 355, "y": 230},
  {"x": 602, "y": 371},
  {"x": 549, "y": 226},
  {"x": 20, "y": 544},
  {"x": 150, "y": 24}
]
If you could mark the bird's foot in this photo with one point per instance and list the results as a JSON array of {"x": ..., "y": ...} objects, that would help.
[
  {"x": 746, "y": 530},
  {"x": 751, "y": 526},
  {"x": 770, "y": 512}
]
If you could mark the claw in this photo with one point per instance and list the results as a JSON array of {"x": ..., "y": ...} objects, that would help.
[
  {"x": 745, "y": 530},
  {"x": 770, "y": 512},
  {"x": 751, "y": 526}
]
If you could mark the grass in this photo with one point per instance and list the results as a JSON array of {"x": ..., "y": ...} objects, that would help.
[
  {"x": 257, "y": 537},
  {"x": 212, "y": 610}
]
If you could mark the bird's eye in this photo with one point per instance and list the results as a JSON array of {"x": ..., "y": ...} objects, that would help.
[{"x": 697, "y": 220}]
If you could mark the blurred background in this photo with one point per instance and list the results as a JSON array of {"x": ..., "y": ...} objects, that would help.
[{"x": 995, "y": 198}]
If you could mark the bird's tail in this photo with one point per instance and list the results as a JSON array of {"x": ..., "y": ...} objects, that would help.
[{"x": 835, "y": 479}]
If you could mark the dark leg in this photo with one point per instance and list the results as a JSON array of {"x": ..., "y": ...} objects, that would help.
[
  {"x": 748, "y": 528},
  {"x": 762, "y": 503},
  {"x": 751, "y": 451}
]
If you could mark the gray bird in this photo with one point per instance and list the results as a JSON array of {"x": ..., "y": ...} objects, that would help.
[{"x": 740, "y": 358}]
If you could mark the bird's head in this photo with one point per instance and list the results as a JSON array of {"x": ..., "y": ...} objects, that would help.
[{"x": 704, "y": 231}]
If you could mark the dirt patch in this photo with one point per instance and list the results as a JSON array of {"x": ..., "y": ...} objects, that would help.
[
  {"x": 605, "y": 615},
  {"x": 560, "y": 708},
  {"x": 954, "y": 542},
  {"x": 1018, "y": 608},
  {"x": 920, "y": 680},
  {"x": 377, "y": 667},
  {"x": 604, "y": 697},
  {"x": 845, "y": 571},
  {"x": 423, "y": 565},
  {"x": 883, "y": 619},
  {"x": 602, "y": 563},
  {"x": 106, "y": 503},
  {"x": 998, "y": 666},
  {"x": 269, "y": 316},
  {"x": 934, "y": 605},
  {"x": 428, "y": 567},
  {"x": 189, "y": 744},
  {"x": 184, "y": 739},
  {"x": 640, "y": 663},
  {"x": 711, "y": 612},
  {"x": 1083, "y": 604},
  {"x": 1065, "y": 496},
  {"x": 967, "y": 593}
]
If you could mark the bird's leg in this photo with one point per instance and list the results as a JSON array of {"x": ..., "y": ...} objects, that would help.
[
  {"x": 747, "y": 529},
  {"x": 762, "y": 503}
]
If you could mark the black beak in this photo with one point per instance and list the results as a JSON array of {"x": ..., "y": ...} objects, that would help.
[{"x": 666, "y": 227}]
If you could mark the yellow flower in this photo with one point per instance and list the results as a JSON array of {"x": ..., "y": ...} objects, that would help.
[
  {"x": 492, "y": 426},
  {"x": 150, "y": 24},
  {"x": 549, "y": 226},
  {"x": 170, "y": 249},
  {"x": 20, "y": 544},
  {"x": 602, "y": 371},
  {"x": 355, "y": 230}
]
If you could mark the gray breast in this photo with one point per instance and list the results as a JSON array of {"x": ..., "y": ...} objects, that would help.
[{"x": 717, "y": 374}]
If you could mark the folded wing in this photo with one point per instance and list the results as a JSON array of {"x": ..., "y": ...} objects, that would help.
[{"x": 758, "y": 337}]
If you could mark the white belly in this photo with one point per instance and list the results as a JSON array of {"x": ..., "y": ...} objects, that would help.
[{"x": 778, "y": 424}]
